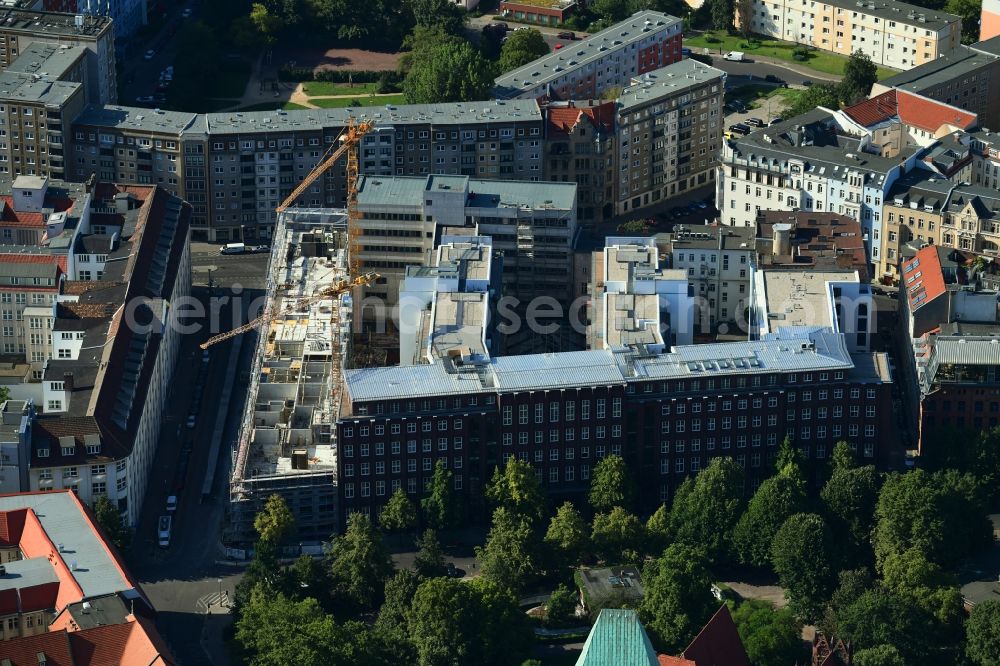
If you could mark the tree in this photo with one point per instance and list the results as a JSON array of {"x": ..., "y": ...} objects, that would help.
[
  {"x": 777, "y": 499},
  {"x": 110, "y": 519},
  {"x": 618, "y": 536},
  {"x": 842, "y": 457},
  {"x": 611, "y": 10},
  {"x": 272, "y": 630},
  {"x": 444, "y": 622},
  {"x": 801, "y": 558},
  {"x": 820, "y": 94},
  {"x": 441, "y": 506},
  {"x": 275, "y": 522},
  {"x": 744, "y": 16},
  {"x": 883, "y": 655},
  {"x": 505, "y": 632},
  {"x": 520, "y": 48},
  {"x": 567, "y": 535},
  {"x": 517, "y": 488},
  {"x": 268, "y": 24},
  {"x": 394, "y": 612},
  {"x": 399, "y": 514},
  {"x": 359, "y": 563},
  {"x": 706, "y": 511},
  {"x": 635, "y": 227},
  {"x": 771, "y": 637},
  {"x": 4, "y": 394},
  {"x": 722, "y": 14},
  {"x": 307, "y": 578},
  {"x": 560, "y": 610},
  {"x": 860, "y": 74},
  {"x": 658, "y": 531},
  {"x": 849, "y": 499},
  {"x": 788, "y": 454},
  {"x": 442, "y": 14},
  {"x": 429, "y": 561},
  {"x": 677, "y": 600},
  {"x": 448, "y": 72},
  {"x": 611, "y": 484},
  {"x": 878, "y": 618},
  {"x": 510, "y": 555},
  {"x": 970, "y": 11},
  {"x": 983, "y": 633}
]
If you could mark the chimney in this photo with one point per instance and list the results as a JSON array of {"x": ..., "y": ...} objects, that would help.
[
  {"x": 68, "y": 381},
  {"x": 781, "y": 244},
  {"x": 123, "y": 202}
]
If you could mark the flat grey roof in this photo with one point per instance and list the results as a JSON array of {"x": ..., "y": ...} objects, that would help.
[
  {"x": 45, "y": 90},
  {"x": 409, "y": 191},
  {"x": 64, "y": 522},
  {"x": 672, "y": 79},
  {"x": 53, "y": 23},
  {"x": 706, "y": 237},
  {"x": 581, "y": 53},
  {"x": 948, "y": 66},
  {"x": 27, "y": 573},
  {"x": 135, "y": 118},
  {"x": 46, "y": 59},
  {"x": 902, "y": 12}
]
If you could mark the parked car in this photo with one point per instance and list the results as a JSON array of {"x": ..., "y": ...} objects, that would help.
[
  {"x": 557, "y": 47},
  {"x": 206, "y": 356},
  {"x": 186, "y": 13},
  {"x": 172, "y": 503},
  {"x": 233, "y": 248},
  {"x": 145, "y": 99},
  {"x": 567, "y": 34},
  {"x": 261, "y": 249},
  {"x": 163, "y": 531},
  {"x": 774, "y": 121},
  {"x": 807, "y": 83},
  {"x": 149, "y": 55},
  {"x": 740, "y": 106},
  {"x": 735, "y": 56},
  {"x": 740, "y": 128},
  {"x": 685, "y": 51},
  {"x": 502, "y": 25},
  {"x": 452, "y": 571},
  {"x": 192, "y": 420},
  {"x": 771, "y": 78},
  {"x": 754, "y": 122}
]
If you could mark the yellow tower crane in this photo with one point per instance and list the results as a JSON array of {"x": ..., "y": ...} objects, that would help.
[{"x": 349, "y": 140}]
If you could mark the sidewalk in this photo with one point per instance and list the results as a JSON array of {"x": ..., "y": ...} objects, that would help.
[{"x": 776, "y": 62}]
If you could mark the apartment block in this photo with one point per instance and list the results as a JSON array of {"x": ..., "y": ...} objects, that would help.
[
  {"x": 544, "y": 12},
  {"x": 636, "y": 304},
  {"x": 967, "y": 76},
  {"x": 608, "y": 59},
  {"x": 236, "y": 168},
  {"x": 532, "y": 226},
  {"x": 22, "y": 28},
  {"x": 891, "y": 33},
  {"x": 128, "y": 16},
  {"x": 669, "y": 133},
  {"x": 716, "y": 260},
  {"x": 104, "y": 396},
  {"x": 668, "y": 414},
  {"x": 810, "y": 241},
  {"x": 809, "y": 163},
  {"x": 579, "y": 145}
]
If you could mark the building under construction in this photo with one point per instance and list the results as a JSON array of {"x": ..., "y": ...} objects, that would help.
[{"x": 286, "y": 439}]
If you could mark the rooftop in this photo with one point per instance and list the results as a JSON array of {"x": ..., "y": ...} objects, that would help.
[
  {"x": 922, "y": 278},
  {"x": 910, "y": 109},
  {"x": 951, "y": 65},
  {"x": 818, "y": 240},
  {"x": 409, "y": 191},
  {"x": 56, "y": 24},
  {"x": 579, "y": 54},
  {"x": 47, "y": 60},
  {"x": 673, "y": 79},
  {"x": 901, "y": 12},
  {"x": 617, "y": 639},
  {"x": 800, "y": 298},
  {"x": 133, "y": 642},
  {"x": 707, "y": 237}
]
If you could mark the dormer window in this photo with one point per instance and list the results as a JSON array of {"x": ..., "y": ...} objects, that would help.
[{"x": 69, "y": 450}]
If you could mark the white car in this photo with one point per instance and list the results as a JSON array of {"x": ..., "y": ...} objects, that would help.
[
  {"x": 186, "y": 13},
  {"x": 149, "y": 55},
  {"x": 735, "y": 56},
  {"x": 172, "y": 503},
  {"x": 144, "y": 99},
  {"x": 192, "y": 420}
]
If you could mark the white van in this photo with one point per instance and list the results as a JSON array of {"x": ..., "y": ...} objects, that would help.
[
  {"x": 163, "y": 531},
  {"x": 233, "y": 248},
  {"x": 735, "y": 56}
]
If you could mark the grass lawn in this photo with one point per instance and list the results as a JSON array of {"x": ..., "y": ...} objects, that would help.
[
  {"x": 233, "y": 77},
  {"x": 757, "y": 96},
  {"x": 821, "y": 61},
  {"x": 313, "y": 88},
  {"x": 362, "y": 100}
]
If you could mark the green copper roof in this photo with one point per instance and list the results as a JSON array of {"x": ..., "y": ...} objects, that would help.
[{"x": 617, "y": 639}]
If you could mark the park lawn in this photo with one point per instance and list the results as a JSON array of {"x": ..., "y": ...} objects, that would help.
[
  {"x": 316, "y": 88},
  {"x": 821, "y": 61},
  {"x": 292, "y": 106},
  {"x": 360, "y": 100}
]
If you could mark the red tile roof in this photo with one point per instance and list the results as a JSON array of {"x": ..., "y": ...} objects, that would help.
[
  {"x": 913, "y": 110},
  {"x": 11, "y": 526},
  {"x": 667, "y": 660},
  {"x": 133, "y": 643},
  {"x": 718, "y": 643},
  {"x": 8, "y": 601},
  {"x": 24, "y": 651},
  {"x": 39, "y": 597},
  {"x": 922, "y": 277},
  {"x": 12, "y": 218},
  {"x": 26, "y": 258},
  {"x": 563, "y": 119}
]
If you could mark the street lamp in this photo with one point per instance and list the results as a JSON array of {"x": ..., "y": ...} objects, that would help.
[{"x": 220, "y": 591}]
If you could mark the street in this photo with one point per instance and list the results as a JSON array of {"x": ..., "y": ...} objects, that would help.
[
  {"x": 183, "y": 580},
  {"x": 140, "y": 75}
]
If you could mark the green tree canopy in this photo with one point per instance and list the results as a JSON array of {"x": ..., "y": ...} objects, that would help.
[
  {"x": 442, "y": 14},
  {"x": 108, "y": 517},
  {"x": 882, "y": 655},
  {"x": 567, "y": 536},
  {"x": 450, "y": 71},
  {"x": 440, "y": 507},
  {"x": 983, "y": 633},
  {"x": 878, "y": 618},
  {"x": 771, "y": 637},
  {"x": 801, "y": 557},
  {"x": 618, "y": 536},
  {"x": 273, "y": 629},
  {"x": 399, "y": 514},
  {"x": 820, "y": 94},
  {"x": 516, "y": 487},
  {"x": 429, "y": 561},
  {"x": 560, "y": 610},
  {"x": 723, "y": 13},
  {"x": 505, "y": 633},
  {"x": 359, "y": 563},
  {"x": 706, "y": 511},
  {"x": 393, "y": 615},
  {"x": 511, "y": 554},
  {"x": 444, "y": 622},
  {"x": 678, "y": 600},
  {"x": 849, "y": 499},
  {"x": 860, "y": 74},
  {"x": 658, "y": 531},
  {"x": 275, "y": 522},
  {"x": 520, "y": 48},
  {"x": 611, "y": 484},
  {"x": 776, "y": 500}
]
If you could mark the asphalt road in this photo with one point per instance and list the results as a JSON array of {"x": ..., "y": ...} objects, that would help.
[
  {"x": 742, "y": 73},
  {"x": 141, "y": 75},
  {"x": 183, "y": 580}
]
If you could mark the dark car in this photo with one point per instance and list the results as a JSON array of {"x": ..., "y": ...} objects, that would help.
[
  {"x": 261, "y": 249},
  {"x": 807, "y": 83},
  {"x": 685, "y": 51},
  {"x": 566, "y": 34},
  {"x": 740, "y": 128},
  {"x": 741, "y": 107},
  {"x": 754, "y": 122},
  {"x": 771, "y": 78},
  {"x": 503, "y": 26}
]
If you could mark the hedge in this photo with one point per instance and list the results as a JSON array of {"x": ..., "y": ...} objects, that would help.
[{"x": 338, "y": 75}]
